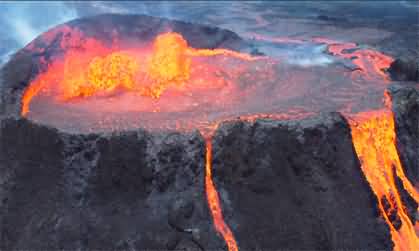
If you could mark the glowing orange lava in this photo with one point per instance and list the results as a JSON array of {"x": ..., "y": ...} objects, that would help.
[
  {"x": 104, "y": 74},
  {"x": 101, "y": 71},
  {"x": 169, "y": 62},
  {"x": 377, "y": 61},
  {"x": 374, "y": 138},
  {"x": 29, "y": 93},
  {"x": 214, "y": 201}
]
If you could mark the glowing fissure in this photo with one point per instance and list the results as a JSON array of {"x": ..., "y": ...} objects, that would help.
[
  {"x": 374, "y": 139},
  {"x": 367, "y": 60},
  {"x": 102, "y": 71},
  {"x": 214, "y": 201}
]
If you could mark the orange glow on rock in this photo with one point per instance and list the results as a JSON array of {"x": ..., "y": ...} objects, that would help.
[
  {"x": 214, "y": 202},
  {"x": 374, "y": 139}
]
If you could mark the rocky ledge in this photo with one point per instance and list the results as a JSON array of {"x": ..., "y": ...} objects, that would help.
[
  {"x": 296, "y": 185},
  {"x": 404, "y": 70},
  {"x": 405, "y": 107},
  {"x": 282, "y": 184},
  {"x": 119, "y": 191}
]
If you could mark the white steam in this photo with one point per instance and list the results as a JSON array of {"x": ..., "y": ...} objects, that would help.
[
  {"x": 26, "y": 20},
  {"x": 21, "y": 22},
  {"x": 304, "y": 55}
]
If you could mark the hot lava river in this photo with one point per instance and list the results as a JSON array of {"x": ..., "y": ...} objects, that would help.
[{"x": 166, "y": 84}]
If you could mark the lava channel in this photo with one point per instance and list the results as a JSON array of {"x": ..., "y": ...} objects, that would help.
[
  {"x": 214, "y": 201},
  {"x": 374, "y": 139}
]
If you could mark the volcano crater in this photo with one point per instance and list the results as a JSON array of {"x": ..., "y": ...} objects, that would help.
[{"x": 202, "y": 143}]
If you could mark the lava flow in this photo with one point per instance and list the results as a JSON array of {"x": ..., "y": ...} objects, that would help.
[
  {"x": 214, "y": 202},
  {"x": 374, "y": 138}
]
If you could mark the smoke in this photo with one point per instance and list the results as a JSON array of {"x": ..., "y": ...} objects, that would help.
[
  {"x": 310, "y": 56},
  {"x": 21, "y": 22},
  {"x": 108, "y": 8},
  {"x": 153, "y": 8},
  {"x": 304, "y": 55},
  {"x": 27, "y": 20}
]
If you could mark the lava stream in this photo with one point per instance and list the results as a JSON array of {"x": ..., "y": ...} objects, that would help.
[
  {"x": 374, "y": 139},
  {"x": 214, "y": 201}
]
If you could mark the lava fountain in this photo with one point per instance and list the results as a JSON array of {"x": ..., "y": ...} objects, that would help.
[{"x": 84, "y": 76}]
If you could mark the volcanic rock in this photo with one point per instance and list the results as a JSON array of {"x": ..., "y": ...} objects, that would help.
[
  {"x": 404, "y": 70},
  {"x": 405, "y": 105},
  {"x": 296, "y": 185},
  {"x": 124, "y": 190},
  {"x": 283, "y": 184}
]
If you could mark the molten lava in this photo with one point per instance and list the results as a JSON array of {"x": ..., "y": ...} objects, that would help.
[
  {"x": 367, "y": 60},
  {"x": 374, "y": 138},
  {"x": 104, "y": 74},
  {"x": 261, "y": 91},
  {"x": 169, "y": 62},
  {"x": 104, "y": 70},
  {"x": 214, "y": 202}
]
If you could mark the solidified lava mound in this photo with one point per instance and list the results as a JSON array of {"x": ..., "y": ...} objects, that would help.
[{"x": 136, "y": 132}]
